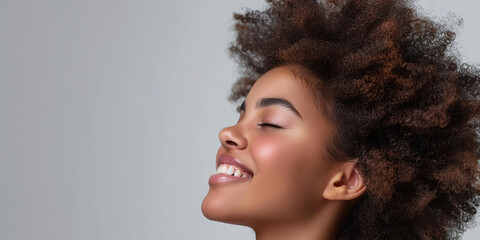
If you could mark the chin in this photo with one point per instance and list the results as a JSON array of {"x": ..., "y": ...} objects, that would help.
[
  {"x": 213, "y": 208},
  {"x": 216, "y": 209}
]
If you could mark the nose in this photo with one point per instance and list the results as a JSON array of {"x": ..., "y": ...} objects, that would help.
[{"x": 232, "y": 138}]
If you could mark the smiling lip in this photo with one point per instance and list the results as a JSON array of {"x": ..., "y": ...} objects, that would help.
[
  {"x": 228, "y": 159},
  {"x": 224, "y": 178}
]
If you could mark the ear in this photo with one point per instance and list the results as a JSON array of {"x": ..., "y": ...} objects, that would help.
[{"x": 345, "y": 184}]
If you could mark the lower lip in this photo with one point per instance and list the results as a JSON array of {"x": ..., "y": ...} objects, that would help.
[{"x": 224, "y": 178}]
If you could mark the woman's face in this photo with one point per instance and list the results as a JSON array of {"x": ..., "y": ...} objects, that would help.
[{"x": 289, "y": 170}]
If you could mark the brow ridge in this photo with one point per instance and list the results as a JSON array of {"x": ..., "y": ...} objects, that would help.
[{"x": 269, "y": 101}]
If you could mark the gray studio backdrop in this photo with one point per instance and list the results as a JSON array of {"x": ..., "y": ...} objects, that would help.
[{"x": 110, "y": 113}]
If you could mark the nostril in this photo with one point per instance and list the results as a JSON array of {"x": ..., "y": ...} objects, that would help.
[{"x": 231, "y": 142}]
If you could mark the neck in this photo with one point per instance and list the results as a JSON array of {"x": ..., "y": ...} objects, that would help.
[{"x": 323, "y": 224}]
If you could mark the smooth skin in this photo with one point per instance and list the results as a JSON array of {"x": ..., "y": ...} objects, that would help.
[{"x": 295, "y": 192}]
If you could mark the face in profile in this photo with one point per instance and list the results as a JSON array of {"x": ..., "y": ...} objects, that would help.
[{"x": 271, "y": 162}]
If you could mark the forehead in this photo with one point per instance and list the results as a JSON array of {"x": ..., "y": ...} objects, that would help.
[{"x": 281, "y": 82}]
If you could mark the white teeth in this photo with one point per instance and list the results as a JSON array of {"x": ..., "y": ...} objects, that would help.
[
  {"x": 223, "y": 169},
  {"x": 230, "y": 170}
]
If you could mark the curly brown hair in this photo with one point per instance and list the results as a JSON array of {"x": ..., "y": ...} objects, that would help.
[{"x": 394, "y": 72}]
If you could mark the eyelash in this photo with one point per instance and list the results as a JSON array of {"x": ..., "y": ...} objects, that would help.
[
  {"x": 242, "y": 108},
  {"x": 268, "y": 125}
]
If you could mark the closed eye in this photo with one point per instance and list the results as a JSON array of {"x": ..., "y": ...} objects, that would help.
[{"x": 268, "y": 125}]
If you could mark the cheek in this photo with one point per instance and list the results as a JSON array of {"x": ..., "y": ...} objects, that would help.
[
  {"x": 290, "y": 163},
  {"x": 270, "y": 150},
  {"x": 282, "y": 185},
  {"x": 279, "y": 157}
]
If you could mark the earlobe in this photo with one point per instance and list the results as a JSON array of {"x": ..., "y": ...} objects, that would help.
[{"x": 346, "y": 184}]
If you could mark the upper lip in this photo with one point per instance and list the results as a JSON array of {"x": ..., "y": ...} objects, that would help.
[{"x": 229, "y": 159}]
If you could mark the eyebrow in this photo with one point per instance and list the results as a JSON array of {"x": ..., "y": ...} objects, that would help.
[{"x": 265, "y": 102}]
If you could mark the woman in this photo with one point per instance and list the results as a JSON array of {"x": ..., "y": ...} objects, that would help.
[{"x": 358, "y": 122}]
